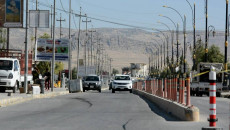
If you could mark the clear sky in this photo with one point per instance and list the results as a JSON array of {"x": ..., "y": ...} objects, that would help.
[{"x": 143, "y": 13}]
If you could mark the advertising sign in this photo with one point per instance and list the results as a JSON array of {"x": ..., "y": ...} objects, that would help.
[
  {"x": 44, "y": 50},
  {"x": 11, "y": 13}
]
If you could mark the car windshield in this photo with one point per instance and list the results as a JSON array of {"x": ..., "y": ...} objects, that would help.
[
  {"x": 6, "y": 65},
  {"x": 122, "y": 78},
  {"x": 92, "y": 78}
]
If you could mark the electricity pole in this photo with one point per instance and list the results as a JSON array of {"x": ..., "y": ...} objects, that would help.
[
  {"x": 92, "y": 46},
  {"x": 53, "y": 59},
  {"x": 86, "y": 33},
  {"x": 78, "y": 45},
  {"x": 60, "y": 20},
  {"x": 26, "y": 47},
  {"x": 70, "y": 46},
  {"x": 51, "y": 17}
]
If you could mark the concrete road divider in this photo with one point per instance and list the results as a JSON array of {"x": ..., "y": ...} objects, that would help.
[{"x": 180, "y": 111}]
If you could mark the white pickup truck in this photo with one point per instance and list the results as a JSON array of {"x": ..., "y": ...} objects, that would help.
[{"x": 12, "y": 69}]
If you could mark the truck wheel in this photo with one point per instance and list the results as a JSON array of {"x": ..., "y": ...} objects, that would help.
[
  {"x": 15, "y": 87},
  {"x": 218, "y": 94},
  {"x": 113, "y": 91}
]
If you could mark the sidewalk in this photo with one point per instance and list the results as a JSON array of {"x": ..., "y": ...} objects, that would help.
[{"x": 15, "y": 98}]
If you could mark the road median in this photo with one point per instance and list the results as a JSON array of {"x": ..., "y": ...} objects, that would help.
[{"x": 180, "y": 111}]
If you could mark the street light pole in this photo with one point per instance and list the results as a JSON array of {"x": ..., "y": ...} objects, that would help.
[
  {"x": 226, "y": 43},
  {"x": 206, "y": 32},
  {"x": 26, "y": 47}
]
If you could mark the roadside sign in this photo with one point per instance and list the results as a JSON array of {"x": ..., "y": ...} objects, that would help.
[
  {"x": 44, "y": 50},
  {"x": 39, "y": 18},
  {"x": 11, "y": 13}
]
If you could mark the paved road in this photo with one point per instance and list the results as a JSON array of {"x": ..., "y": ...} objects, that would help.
[
  {"x": 223, "y": 110},
  {"x": 91, "y": 111}
]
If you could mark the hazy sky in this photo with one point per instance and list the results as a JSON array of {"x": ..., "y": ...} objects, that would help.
[{"x": 143, "y": 13}]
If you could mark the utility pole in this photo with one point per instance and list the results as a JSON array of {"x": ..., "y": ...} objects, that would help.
[
  {"x": 70, "y": 46},
  {"x": 86, "y": 33},
  {"x": 110, "y": 67},
  {"x": 53, "y": 52},
  {"x": 35, "y": 37},
  {"x": 26, "y": 47},
  {"x": 92, "y": 46},
  {"x": 206, "y": 31},
  {"x": 51, "y": 17},
  {"x": 78, "y": 45},
  {"x": 60, "y": 20}
]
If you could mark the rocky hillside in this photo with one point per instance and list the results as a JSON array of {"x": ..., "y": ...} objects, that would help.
[{"x": 124, "y": 46}]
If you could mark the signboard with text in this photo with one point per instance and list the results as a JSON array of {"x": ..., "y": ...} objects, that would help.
[
  {"x": 44, "y": 50},
  {"x": 11, "y": 13}
]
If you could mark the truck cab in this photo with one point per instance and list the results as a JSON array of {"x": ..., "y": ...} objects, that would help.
[{"x": 9, "y": 74}]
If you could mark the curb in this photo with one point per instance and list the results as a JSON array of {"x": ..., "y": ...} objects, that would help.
[
  {"x": 180, "y": 111},
  {"x": 17, "y": 100}
]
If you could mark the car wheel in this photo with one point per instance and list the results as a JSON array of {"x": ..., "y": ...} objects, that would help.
[
  {"x": 113, "y": 91},
  {"x": 83, "y": 90},
  {"x": 131, "y": 91},
  {"x": 99, "y": 90}
]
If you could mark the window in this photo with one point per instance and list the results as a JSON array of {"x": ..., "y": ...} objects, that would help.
[
  {"x": 92, "y": 78},
  {"x": 15, "y": 65},
  {"x": 122, "y": 78},
  {"x": 6, "y": 65}
]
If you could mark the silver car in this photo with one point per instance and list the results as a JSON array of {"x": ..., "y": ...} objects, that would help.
[{"x": 92, "y": 82}]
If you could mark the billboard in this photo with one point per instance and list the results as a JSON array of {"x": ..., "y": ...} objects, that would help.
[
  {"x": 44, "y": 50},
  {"x": 11, "y": 13}
]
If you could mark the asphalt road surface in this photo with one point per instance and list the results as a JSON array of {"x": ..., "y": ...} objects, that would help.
[{"x": 91, "y": 111}]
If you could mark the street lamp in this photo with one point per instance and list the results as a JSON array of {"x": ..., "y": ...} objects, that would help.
[
  {"x": 194, "y": 31},
  {"x": 184, "y": 30},
  {"x": 172, "y": 35}
]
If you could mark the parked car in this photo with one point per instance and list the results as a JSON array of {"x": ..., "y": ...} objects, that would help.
[
  {"x": 122, "y": 83},
  {"x": 92, "y": 82}
]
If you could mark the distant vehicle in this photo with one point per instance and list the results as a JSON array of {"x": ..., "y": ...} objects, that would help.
[
  {"x": 12, "y": 69},
  {"x": 92, "y": 82},
  {"x": 122, "y": 83},
  {"x": 200, "y": 83}
]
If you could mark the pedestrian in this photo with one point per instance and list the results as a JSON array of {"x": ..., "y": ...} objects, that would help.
[
  {"x": 47, "y": 79},
  {"x": 35, "y": 74}
]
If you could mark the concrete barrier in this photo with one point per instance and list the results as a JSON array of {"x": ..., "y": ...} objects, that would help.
[{"x": 180, "y": 111}]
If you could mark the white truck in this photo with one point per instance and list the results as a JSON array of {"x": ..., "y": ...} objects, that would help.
[
  {"x": 12, "y": 69},
  {"x": 200, "y": 82}
]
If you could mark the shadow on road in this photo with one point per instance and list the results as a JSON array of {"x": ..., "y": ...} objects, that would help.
[{"x": 154, "y": 108}]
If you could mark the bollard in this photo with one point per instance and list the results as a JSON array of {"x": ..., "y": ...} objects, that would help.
[
  {"x": 188, "y": 92},
  {"x": 212, "y": 98},
  {"x": 180, "y": 86},
  {"x": 175, "y": 89},
  {"x": 154, "y": 87},
  {"x": 42, "y": 85},
  {"x": 182, "y": 91},
  {"x": 165, "y": 88},
  {"x": 63, "y": 80},
  {"x": 169, "y": 88}
]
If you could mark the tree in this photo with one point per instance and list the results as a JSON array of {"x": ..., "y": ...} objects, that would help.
[
  {"x": 126, "y": 69},
  {"x": 115, "y": 71},
  {"x": 45, "y": 35},
  {"x": 74, "y": 73},
  {"x": 214, "y": 54}
]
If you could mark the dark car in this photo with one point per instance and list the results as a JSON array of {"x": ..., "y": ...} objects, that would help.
[{"x": 92, "y": 82}]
